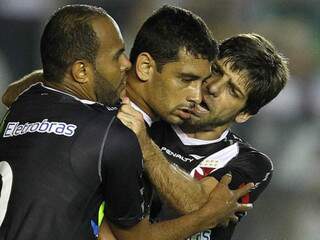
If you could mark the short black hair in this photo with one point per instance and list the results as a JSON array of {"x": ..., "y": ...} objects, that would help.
[
  {"x": 68, "y": 37},
  {"x": 265, "y": 69},
  {"x": 171, "y": 29}
]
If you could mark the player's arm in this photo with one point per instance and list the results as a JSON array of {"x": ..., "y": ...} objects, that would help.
[
  {"x": 105, "y": 232},
  {"x": 183, "y": 192},
  {"x": 121, "y": 173},
  {"x": 221, "y": 203},
  {"x": 17, "y": 87}
]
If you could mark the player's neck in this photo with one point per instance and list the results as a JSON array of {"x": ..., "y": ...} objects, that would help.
[
  {"x": 139, "y": 101},
  {"x": 212, "y": 134}
]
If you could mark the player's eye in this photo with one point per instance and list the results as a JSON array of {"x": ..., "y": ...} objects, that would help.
[
  {"x": 215, "y": 70},
  {"x": 232, "y": 91}
]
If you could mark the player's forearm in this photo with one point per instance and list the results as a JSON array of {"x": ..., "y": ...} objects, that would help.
[
  {"x": 17, "y": 87},
  {"x": 183, "y": 192},
  {"x": 176, "y": 229},
  {"x": 180, "y": 228},
  {"x": 105, "y": 232}
]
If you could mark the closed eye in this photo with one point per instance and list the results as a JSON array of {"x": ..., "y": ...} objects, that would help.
[{"x": 118, "y": 53}]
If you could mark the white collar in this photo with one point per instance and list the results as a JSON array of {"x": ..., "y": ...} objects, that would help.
[
  {"x": 146, "y": 117},
  {"x": 186, "y": 140}
]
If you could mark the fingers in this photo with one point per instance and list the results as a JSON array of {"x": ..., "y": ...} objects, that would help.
[
  {"x": 226, "y": 179},
  {"x": 244, "y": 190},
  {"x": 135, "y": 123},
  {"x": 234, "y": 218},
  {"x": 127, "y": 109},
  {"x": 244, "y": 207},
  {"x": 128, "y": 119},
  {"x": 125, "y": 100},
  {"x": 224, "y": 224},
  {"x": 125, "y": 119}
]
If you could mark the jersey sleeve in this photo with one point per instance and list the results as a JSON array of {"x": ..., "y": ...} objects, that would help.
[
  {"x": 121, "y": 173},
  {"x": 248, "y": 167}
]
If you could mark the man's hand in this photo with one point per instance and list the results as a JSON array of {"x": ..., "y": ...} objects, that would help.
[
  {"x": 17, "y": 87},
  {"x": 223, "y": 202},
  {"x": 132, "y": 119}
]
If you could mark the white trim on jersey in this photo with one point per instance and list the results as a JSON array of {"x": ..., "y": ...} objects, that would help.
[
  {"x": 217, "y": 160},
  {"x": 146, "y": 117},
  {"x": 186, "y": 140},
  {"x": 221, "y": 158}
]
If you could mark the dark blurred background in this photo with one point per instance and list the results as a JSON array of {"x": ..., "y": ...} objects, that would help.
[{"x": 288, "y": 129}]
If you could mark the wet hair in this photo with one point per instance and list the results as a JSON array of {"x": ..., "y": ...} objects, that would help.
[
  {"x": 265, "y": 69},
  {"x": 169, "y": 30},
  {"x": 68, "y": 37}
]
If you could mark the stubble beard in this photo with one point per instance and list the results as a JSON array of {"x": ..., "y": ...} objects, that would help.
[
  {"x": 105, "y": 92},
  {"x": 206, "y": 124}
]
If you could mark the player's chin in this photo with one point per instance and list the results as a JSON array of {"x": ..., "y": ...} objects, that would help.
[
  {"x": 193, "y": 120},
  {"x": 179, "y": 119},
  {"x": 174, "y": 119}
]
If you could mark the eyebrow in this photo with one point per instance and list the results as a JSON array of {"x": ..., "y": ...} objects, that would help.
[
  {"x": 118, "y": 53},
  {"x": 192, "y": 76},
  {"x": 235, "y": 86},
  {"x": 230, "y": 80},
  {"x": 218, "y": 68}
]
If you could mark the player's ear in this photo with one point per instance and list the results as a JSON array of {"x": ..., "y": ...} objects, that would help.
[
  {"x": 243, "y": 117},
  {"x": 82, "y": 71},
  {"x": 145, "y": 66}
]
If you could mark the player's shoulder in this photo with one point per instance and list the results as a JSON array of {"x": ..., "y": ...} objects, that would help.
[
  {"x": 80, "y": 108},
  {"x": 261, "y": 160},
  {"x": 119, "y": 132},
  {"x": 232, "y": 137},
  {"x": 121, "y": 145},
  {"x": 250, "y": 154}
]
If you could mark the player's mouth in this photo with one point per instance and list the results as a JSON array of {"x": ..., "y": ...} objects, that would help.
[
  {"x": 184, "y": 113},
  {"x": 201, "y": 109}
]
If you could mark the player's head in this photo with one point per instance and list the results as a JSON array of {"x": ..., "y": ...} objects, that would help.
[
  {"x": 85, "y": 43},
  {"x": 172, "y": 55},
  {"x": 248, "y": 74}
]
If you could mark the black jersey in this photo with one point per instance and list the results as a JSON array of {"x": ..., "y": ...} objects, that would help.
[
  {"x": 200, "y": 158},
  {"x": 60, "y": 157}
]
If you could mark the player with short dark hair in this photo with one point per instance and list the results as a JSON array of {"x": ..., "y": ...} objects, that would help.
[
  {"x": 50, "y": 189},
  {"x": 66, "y": 154},
  {"x": 68, "y": 37},
  {"x": 248, "y": 73},
  {"x": 168, "y": 30},
  {"x": 266, "y": 69},
  {"x": 172, "y": 55}
]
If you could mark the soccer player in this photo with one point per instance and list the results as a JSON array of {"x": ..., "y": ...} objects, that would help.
[
  {"x": 62, "y": 153},
  {"x": 247, "y": 75}
]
